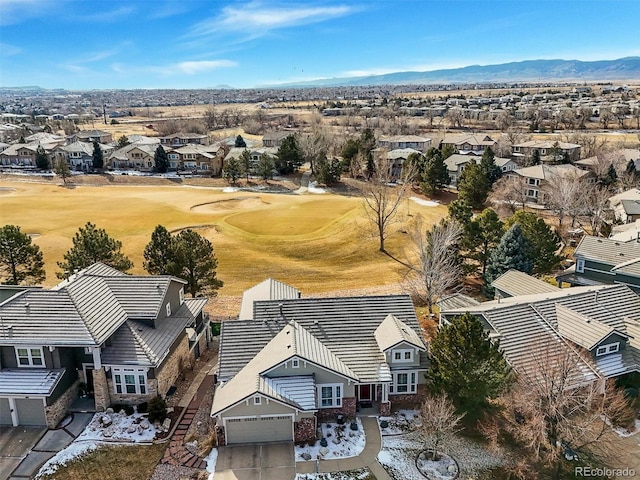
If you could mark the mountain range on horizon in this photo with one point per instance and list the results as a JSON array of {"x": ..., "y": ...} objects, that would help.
[
  {"x": 527, "y": 71},
  {"x": 621, "y": 69}
]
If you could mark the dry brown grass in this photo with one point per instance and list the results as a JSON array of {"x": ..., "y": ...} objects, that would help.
[
  {"x": 112, "y": 463},
  {"x": 318, "y": 243}
]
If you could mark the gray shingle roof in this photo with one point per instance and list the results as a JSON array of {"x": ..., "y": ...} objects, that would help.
[
  {"x": 606, "y": 250},
  {"x": 268, "y": 289},
  {"x": 580, "y": 329},
  {"x": 528, "y": 322},
  {"x": 514, "y": 282},
  {"x": 392, "y": 332}
]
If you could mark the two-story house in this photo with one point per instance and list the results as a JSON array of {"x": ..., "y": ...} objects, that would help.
[
  {"x": 202, "y": 159},
  {"x": 136, "y": 156},
  {"x": 91, "y": 136},
  {"x": 123, "y": 338},
  {"x": 312, "y": 359},
  {"x": 604, "y": 261},
  {"x": 19, "y": 155},
  {"x": 548, "y": 151},
  {"x": 396, "y": 142},
  {"x": 466, "y": 143},
  {"x": 537, "y": 177},
  {"x": 275, "y": 139},
  {"x": 457, "y": 162},
  {"x": 177, "y": 140},
  {"x": 598, "y": 327}
]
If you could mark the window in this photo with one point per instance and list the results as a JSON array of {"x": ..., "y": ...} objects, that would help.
[
  {"x": 30, "y": 357},
  {"x": 330, "y": 395},
  {"x": 168, "y": 309},
  {"x": 580, "y": 265},
  {"x": 130, "y": 380},
  {"x": 295, "y": 363},
  {"x": 611, "y": 348},
  {"x": 402, "y": 356},
  {"x": 257, "y": 400},
  {"x": 181, "y": 296},
  {"x": 404, "y": 382}
]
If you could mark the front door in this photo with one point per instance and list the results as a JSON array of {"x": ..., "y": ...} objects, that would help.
[
  {"x": 364, "y": 393},
  {"x": 88, "y": 375}
]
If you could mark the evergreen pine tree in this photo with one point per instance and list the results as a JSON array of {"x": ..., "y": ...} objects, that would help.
[
  {"x": 97, "y": 156},
  {"x": 240, "y": 143},
  {"x": 543, "y": 240},
  {"x": 473, "y": 187},
  {"x": 466, "y": 365},
  {"x": 42, "y": 159},
  {"x": 435, "y": 175},
  {"x": 512, "y": 253},
  {"x": 489, "y": 167},
  {"x": 161, "y": 160}
]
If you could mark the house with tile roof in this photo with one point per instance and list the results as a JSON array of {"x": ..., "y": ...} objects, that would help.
[
  {"x": 602, "y": 261},
  {"x": 122, "y": 338},
  {"x": 468, "y": 143},
  {"x": 298, "y": 361},
  {"x": 599, "y": 326},
  {"x": 549, "y": 151}
]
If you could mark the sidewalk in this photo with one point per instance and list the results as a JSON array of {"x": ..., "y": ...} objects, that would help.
[{"x": 367, "y": 459}]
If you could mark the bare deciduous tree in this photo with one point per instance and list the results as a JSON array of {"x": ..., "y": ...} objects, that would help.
[
  {"x": 382, "y": 199},
  {"x": 590, "y": 145},
  {"x": 434, "y": 266},
  {"x": 511, "y": 192},
  {"x": 597, "y": 207},
  {"x": 564, "y": 196},
  {"x": 455, "y": 116},
  {"x": 553, "y": 406},
  {"x": 439, "y": 422}
]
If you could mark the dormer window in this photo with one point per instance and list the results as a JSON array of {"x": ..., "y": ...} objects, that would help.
[
  {"x": 610, "y": 348},
  {"x": 403, "y": 356},
  {"x": 580, "y": 265},
  {"x": 257, "y": 400}
]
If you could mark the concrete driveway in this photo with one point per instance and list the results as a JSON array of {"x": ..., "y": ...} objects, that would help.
[
  {"x": 15, "y": 444},
  {"x": 270, "y": 461}
]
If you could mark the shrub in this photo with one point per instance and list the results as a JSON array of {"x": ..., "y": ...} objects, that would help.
[
  {"x": 354, "y": 426},
  {"x": 157, "y": 410},
  {"x": 383, "y": 423},
  {"x": 215, "y": 328},
  {"x": 323, "y": 442},
  {"x": 143, "y": 407},
  {"x": 118, "y": 407}
]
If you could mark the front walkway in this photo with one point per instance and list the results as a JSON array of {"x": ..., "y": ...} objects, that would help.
[{"x": 367, "y": 459}]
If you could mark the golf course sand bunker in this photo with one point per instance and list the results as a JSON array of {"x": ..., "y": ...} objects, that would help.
[{"x": 229, "y": 205}]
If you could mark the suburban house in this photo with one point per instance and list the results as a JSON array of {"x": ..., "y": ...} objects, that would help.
[
  {"x": 604, "y": 261},
  {"x": 598, "y": 327},
  {"x": 513, "y": 283},
  {"x": 91, "y": 136},
  {"x": 537, "y": 176},
  {"x": 299, "y": 361},
  {"x": 626, "y": 205},
  {"x": 549, "y": 151},
  {"x": 256, "y": 153},
  {"x": 402, "y": 142},
  {"x": 79, "y": 155},
  {"x": 121, "y": 338},
  {"x": 628, "y": 232},
  {"x": 269, "y": 289},
  {"x": 180, "y": 139},
  {"x": 457, "y": 162},
  {"x": 19, "y": 155},
  {"x": 275, "y": 139},
  {"x": 137, "y": 156},
  {"x": 393, "y": 159},
  {"x": 197, "y": 158},
  {"x": 468, "y": 144}
]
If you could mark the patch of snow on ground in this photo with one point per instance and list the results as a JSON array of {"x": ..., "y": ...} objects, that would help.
[
  {"x": 123, "y": 430},
  {"x": 73, "y": 451},
  {"x": 398, "y": 455},
  {"x": 360, "y": 474},
  {"x": 425, "y": 203},
  {"x": 623, "y": 432},
  {"x": 313, "y": 188},
  {"x": 230, "y": 189},
  {"x": 403, "y": 421},
  {"x": 211, "y": 460},
  {"x": 350, "y": 442}
]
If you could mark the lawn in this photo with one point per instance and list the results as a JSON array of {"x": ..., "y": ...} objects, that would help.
[
  {"x": 314, "y": 242},
  {"x": 112, "y": 463}
]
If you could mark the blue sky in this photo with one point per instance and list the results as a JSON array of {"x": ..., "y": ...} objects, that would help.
[{"x": 94, "y": 44}]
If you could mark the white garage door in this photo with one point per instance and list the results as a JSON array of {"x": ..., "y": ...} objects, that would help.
[
  {"x": 277, "y": 428},
  {"x": 30, "y": 411}
]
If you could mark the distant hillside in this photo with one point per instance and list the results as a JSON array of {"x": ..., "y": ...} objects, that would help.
[{"x": 527, "y": 71}]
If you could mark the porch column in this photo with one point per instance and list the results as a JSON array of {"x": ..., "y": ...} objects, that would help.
[
  {"x": 97, "y": 361},
  {"x": 385, "y": 393}
]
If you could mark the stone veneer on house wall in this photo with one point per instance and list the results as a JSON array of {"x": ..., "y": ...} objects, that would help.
[
  {"x": 221, "y": 439},
  {"x": 167, "y": 374},
  {"x": 56, "y": 411},
  {"x": 100, "y": 390},
  {"x": 304, "y": 430},
  {"x": 330, "y": 414},
  {"x": 412, "y": 400}
]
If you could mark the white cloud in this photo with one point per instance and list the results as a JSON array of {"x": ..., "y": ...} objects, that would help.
[
  {"x": 255, "y": 18},
  {"x": 191, "y": 68},
  {"x": 13, "y": 12},
  {"x": 107, "y": 16}
]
